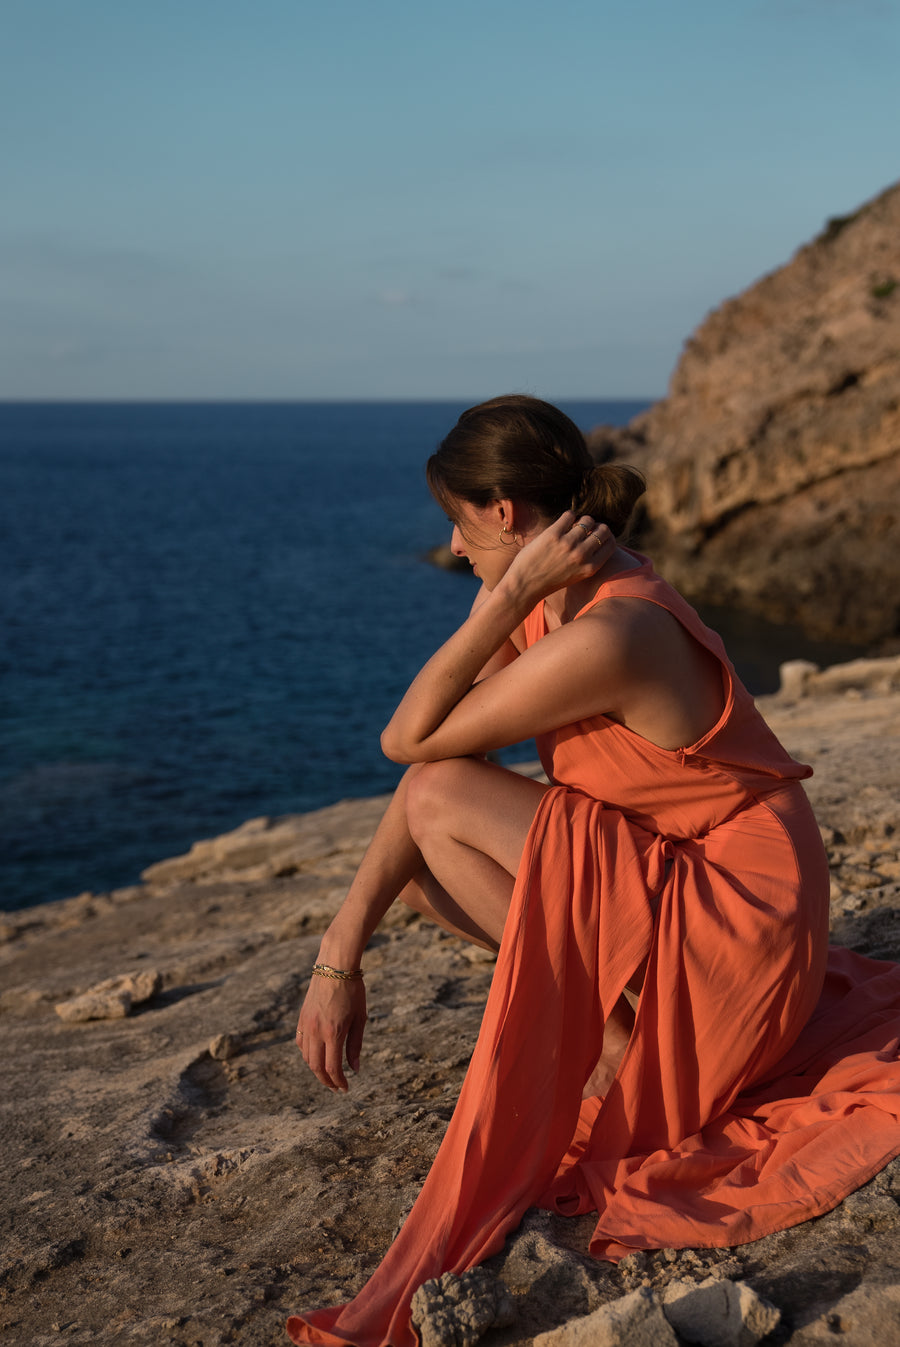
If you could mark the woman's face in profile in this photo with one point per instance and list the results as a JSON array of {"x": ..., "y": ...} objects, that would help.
[{"x": 476, "y": 536}]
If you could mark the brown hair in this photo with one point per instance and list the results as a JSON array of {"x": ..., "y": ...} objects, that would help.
[{"x": 520, "y": 448}]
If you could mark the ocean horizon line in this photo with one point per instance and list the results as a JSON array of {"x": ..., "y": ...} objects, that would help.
[{"x": 129, "y": 401}]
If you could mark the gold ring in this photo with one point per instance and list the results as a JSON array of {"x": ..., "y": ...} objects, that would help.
[{"x": 597, "y": 539}]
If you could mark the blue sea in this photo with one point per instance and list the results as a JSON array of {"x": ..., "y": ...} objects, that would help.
[{"x": 208, "y": 613}]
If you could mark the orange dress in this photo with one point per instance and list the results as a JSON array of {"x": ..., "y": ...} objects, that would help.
[{"x": 761, "y": 1083}]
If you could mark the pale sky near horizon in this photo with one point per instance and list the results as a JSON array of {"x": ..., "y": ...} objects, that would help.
[{"x": 205, "y": 198}]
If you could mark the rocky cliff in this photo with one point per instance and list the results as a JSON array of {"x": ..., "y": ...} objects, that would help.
[{"x": 773, "y": 465}]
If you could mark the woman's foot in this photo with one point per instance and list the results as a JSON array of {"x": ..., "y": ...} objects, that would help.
[{"x": 616, "y": 1036}]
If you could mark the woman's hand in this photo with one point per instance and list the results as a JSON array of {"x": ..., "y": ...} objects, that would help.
[
  {"x": 565, "y": 552},
  {"x": 333, "y": 1017}
]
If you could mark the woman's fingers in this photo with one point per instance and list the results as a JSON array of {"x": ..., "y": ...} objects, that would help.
[
  {"x": 354, "y": 1043},
  {"x": 328, "y": 1020},
  {"x": 334, "y": 1069},
  {"x": 579, "y": 528},
  {"x": 596, "y": 538},
  {"x": 323, "y": 1057},
  {"x": 314, "y": 1056}
]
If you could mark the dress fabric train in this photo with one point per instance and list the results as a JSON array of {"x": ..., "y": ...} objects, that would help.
[{"x": 761, "y": 1083}]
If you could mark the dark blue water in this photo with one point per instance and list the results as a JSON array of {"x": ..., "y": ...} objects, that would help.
[{"x": 208, "y": 612}]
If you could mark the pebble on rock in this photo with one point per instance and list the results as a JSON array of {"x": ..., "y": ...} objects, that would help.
[{"x": 112, "y": 999}]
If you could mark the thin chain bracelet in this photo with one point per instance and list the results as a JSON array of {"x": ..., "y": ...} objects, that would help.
[{"x": 325, "y": 970}]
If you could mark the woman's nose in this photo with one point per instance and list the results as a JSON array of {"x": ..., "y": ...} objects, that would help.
[{"x": 456, "y": 543}]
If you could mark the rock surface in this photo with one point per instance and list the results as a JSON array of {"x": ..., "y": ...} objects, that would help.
[
  {"x": 719, "y": 1312},
  {"x": 177, "y": 1176},
  {"x": 773, "y": 465}
]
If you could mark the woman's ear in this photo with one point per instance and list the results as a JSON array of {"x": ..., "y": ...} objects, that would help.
[{"x": 506, "y": 514}]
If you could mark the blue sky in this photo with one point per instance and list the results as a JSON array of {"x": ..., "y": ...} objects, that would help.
[{"x": 343, "y": 199}]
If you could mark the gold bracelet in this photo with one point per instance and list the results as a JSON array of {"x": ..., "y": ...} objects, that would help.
[{"x": 325, "y": 970}]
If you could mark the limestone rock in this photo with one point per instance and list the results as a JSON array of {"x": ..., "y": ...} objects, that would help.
[
  {"x": 718, "y": 1312},
  {"x": 111, "y": 1005},
  {"x": 533, "y": 1266},
  {"x": 773, "y": 465},
  {"x": 795, "y": 677},
  {"x": 225, "y": 1046},
  {"x": 635, "y": 1320},
  {"x": 112, "y": 999},
  {"x": 457, "y": 1311}
]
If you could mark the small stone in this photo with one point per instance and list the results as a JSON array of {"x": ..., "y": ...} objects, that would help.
[
  {"x": 718, "y": 1312},
  {"x": 140, "y": 986},
  {"x": 112, "y": 999},
  {"x": 794, "y": 677},
  {"x": 95, "y": 1006},
  {"x": 452, "y": 1311},
  {"x": 224, "y": 1046}
]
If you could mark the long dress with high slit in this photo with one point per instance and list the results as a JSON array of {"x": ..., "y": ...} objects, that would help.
[{"x": 761, "y": 1082}]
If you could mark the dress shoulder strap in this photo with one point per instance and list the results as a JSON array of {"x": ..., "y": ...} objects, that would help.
[{"x": 642, "y": 582}]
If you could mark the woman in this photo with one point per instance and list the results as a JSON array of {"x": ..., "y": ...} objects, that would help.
[{"x": 658, "y": 1044}]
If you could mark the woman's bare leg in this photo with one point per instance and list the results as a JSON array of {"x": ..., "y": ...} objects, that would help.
[
  {"x": 426, "y": 896},
  {"x": 469, "y": 819},
  {"x": 474, "y": 906},
  {"x": 616, "y": 1033}
]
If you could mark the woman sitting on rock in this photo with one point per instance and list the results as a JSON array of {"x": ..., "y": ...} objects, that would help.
[{"x": 668, "y": 1040}]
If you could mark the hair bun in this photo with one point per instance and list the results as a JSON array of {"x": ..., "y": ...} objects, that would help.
[{"x": 609, "y": 493}]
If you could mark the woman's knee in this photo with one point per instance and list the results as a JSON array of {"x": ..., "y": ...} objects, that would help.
[{"x": 431, "y": 794}]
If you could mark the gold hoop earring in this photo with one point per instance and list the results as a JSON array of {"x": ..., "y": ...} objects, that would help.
[{"x": 513, "y": 538}]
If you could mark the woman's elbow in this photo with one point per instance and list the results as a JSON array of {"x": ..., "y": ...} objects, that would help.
[{"x": 393, "y": 748}]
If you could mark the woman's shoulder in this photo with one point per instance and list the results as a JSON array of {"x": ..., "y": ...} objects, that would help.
[{"x": 629, "y": 629}]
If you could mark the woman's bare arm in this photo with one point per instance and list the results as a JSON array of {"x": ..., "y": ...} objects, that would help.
[
  {"x": 333, "y": 1016},
  {"x": 511, "y": 648},
  {"x": 445, "y": 713}
]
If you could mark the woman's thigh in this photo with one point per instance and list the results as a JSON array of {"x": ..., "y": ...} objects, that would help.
[{"x": 475, "y": 804}]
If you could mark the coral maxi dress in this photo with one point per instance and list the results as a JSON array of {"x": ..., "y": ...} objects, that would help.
[{"x": 761, "y": 1083}]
